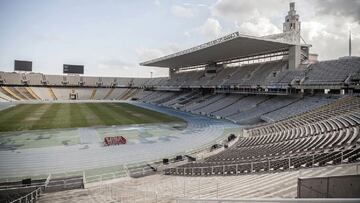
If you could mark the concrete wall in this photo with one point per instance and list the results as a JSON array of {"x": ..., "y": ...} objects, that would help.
[{"x": 330, "y": 187}]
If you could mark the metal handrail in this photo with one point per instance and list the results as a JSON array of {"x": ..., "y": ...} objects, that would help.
[
  {"x": 251, "y": 163},
  {"x": 10, "y": 187},
  {"x": 47, "y": 180},
  {"x": 65, "y": 185},
  {"x": 22, "y": 187},
  {"x": 31, "y": 197}
]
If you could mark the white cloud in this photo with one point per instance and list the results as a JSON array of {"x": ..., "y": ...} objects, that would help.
[
  {"x": 349, "y": 9},
  {"x": 211, "y": 28},
  {"x": 49, "y": 38},
  {"x": 114, "y": 62},
  {"x": 329, "y": 35},
  {"x": 325, "y": 23},
  {"x": 202, "y": 5},
  {"x": 145, "y": 54},
  {"x": 182, "y": 11},
  {"x": 187, "y": 34},
  {"x": 250, "y": 18},
  {"x": 247, "y": 10},
  {"x": 258, "y": 27},
  {"x": 157, "y": 2},
  {"x": 117, "y": 67},
  {"x": 313, "y": 29}
]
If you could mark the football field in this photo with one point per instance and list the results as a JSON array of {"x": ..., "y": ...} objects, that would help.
[{"x": 72, "y": 115}]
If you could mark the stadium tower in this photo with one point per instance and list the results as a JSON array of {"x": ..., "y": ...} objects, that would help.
[
  {"x": 292, "y": 25},
  {"x": 292, "y": 29},
  {"x": 292, "y": 34}
]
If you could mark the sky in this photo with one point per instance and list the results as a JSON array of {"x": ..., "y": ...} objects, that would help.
[{"x": 111, "y": 37}]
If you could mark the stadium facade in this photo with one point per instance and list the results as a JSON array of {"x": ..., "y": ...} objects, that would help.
[{"x": 294, "y": 114}]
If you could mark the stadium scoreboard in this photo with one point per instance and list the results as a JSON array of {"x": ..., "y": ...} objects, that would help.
[
  {"x": 22, "y": 65},
  {"x": 73, "y": 69}
]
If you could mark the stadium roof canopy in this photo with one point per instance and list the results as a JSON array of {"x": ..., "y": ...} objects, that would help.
[{"x": 229, "y": 47}]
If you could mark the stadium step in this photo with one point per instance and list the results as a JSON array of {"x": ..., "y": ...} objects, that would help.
[
  {"x": 109, "y": 93},
  {"x": 24, "y": 93},
  {"x": 93, "y": 94},
  {"x": 131, "y": 94},
  {"x": 128, "y": 94},
  {"x": 32, "y": 93},
  {"x": 52, "y": 94},
  {"x": 9, "y": 93},
  {"x": 124, "y": 95},
  {"x": 21, "y": 92}
]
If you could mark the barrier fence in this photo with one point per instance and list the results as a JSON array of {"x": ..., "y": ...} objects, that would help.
[
  {"x": 265, "y": 165},
  {"x": 29, "y": 198}
]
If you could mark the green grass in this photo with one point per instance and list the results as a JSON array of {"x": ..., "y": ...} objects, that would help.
[{"x": 72, "y": 115}]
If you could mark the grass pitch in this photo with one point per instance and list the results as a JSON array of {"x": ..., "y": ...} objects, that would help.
[{"x": 71, "y": 115}]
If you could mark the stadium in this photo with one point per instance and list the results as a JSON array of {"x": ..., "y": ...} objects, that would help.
[{"x": 239, "y": 119}]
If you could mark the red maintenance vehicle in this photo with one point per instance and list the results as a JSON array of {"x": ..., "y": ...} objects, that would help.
[{"x": 117, "y": 140}]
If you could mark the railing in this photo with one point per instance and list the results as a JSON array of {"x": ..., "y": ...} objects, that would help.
[
  {"x": 233, "y": 168},
  {"x": 270, "y": 200},
  {"x": 204, "y": 190},
  {"x": 104, "y": 176},
  {"x": 127, "y": 195},
  {"x": 31, "y": 197},
  {"x": 11, "y": 187},
  {"x": 67, "y": 183},
  {"x": 47, "y": 180}
]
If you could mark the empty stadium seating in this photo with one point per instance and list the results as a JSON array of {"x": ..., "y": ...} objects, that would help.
[
  {"x": 300, "y": 106},
  {"x": 265, "y": 74},
  {"x": 25, "y": 93},
  {"x": 159, "y": 188},
  {"x": 242, "y": 109},
  {"x": 331, "y": 72},
  {"x": 326, "y": 135}
]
